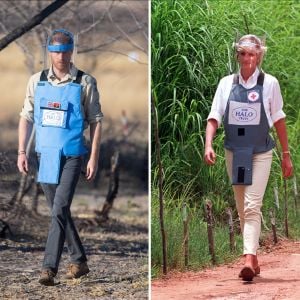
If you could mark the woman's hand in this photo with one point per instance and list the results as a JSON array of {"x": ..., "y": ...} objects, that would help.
[
  {"x": 286, "y": 166},
  {"x": 209, "y": 155}
]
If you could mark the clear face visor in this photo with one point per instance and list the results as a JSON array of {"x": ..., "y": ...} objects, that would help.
[
  {"x": 251, "y": 42},
  {"x": 57, "y": 43},
  {"x": 248, "y": 46}
]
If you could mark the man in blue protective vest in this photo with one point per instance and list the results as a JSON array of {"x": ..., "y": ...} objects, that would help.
[
  {"x": 61, "y": 102},
  {"x": 249, "y": 103}
]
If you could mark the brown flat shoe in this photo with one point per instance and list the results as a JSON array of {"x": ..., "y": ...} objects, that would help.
[
  {"x": 256, "y": 271},
  {"x": 247, "y": 273}
]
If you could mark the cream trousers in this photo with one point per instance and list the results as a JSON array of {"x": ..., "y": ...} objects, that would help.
[{"x": 249, "y": 198}]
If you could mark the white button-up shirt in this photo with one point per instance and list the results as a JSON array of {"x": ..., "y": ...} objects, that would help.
[{"x": 272, "y": 98}]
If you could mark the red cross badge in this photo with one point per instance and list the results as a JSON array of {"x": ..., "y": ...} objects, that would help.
[
  {"x": 53, "y": 104},
  {"x": 253, "y": 96}
]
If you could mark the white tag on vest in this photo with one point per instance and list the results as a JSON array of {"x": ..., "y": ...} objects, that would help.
[
  {"x": 52, "y": 117},
  {"x": 241, "y": 113}
]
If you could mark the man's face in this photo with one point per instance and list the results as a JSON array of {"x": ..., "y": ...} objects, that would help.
[{"x": 61, "y": 60}]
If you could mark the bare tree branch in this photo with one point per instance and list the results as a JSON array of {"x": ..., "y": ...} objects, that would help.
[
  {"x": 97, "y": 22},
  {"x": 138, "y": 24},
  {"x": 36, "y": 20},
  {"x": 108, "y": 42},
  {"x": 29, "y": 56},
  {"x": 130, "y": 40},
  {"x": 124, "y": 54}
]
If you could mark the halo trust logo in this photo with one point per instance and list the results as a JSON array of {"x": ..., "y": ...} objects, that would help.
[
  {"x": 253, "y": 95},
  {"x": 244, "y": 114}
]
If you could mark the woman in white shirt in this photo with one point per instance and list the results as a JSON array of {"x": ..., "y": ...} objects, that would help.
[{"x": 249, "y": 103}]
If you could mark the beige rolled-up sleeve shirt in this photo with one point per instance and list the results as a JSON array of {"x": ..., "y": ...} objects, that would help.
[{"x": 90, "y": 98}]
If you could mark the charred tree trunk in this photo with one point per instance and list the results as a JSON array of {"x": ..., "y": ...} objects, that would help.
[
  {"x": 4, "y": 229},
  {"x": 113, "y": 186},
  {"x": 35, "y": 197},
  {"x": 24, "y": 186}
]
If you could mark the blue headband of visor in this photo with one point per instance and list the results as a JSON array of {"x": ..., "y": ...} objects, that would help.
[{"x": 61, "y": 47}]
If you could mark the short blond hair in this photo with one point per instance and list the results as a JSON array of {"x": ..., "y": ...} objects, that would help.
[{"x": 253, "y": 42}]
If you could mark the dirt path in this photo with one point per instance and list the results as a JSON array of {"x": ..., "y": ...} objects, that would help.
[
  {"x": 117, "y": 253},
  {"x": 279, "y": 279}
]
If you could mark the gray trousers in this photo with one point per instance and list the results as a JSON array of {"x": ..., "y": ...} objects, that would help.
[{"x": 59, "y": 198}]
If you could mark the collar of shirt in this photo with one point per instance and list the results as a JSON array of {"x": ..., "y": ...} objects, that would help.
[
  {"x": 252, "y": 80},
  {"x": 67, "y": 78}
]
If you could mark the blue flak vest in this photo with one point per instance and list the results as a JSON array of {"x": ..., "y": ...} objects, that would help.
[
  {"x": 246, "y": 128},
  {"x": 59, "y": 125}
]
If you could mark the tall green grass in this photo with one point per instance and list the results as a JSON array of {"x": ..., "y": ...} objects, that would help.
[
  {"x": 191, "y": 51},
  {"x": 199, "y": 256},
  {"x": 198, "y": 246}
]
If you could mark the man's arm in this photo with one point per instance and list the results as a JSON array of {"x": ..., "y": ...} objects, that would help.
[
  {"x": 25, "y": 129},
  {"x": 286, "y": 163},
  {"x": 95, "y": 137}
]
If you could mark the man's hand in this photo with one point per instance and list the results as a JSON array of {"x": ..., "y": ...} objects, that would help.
[
  {"x": 91, "y": 169},
  {"x": 95, "y": 136},
  {"x": 23, "y": 163},
  {"x": 25, "y": 129}
]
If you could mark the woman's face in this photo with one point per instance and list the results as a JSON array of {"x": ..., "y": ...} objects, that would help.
[{"x": 248, "y": 60}]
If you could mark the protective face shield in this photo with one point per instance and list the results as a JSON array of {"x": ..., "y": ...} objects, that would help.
[
  {"x": 251, "y": 42},
  {"x": 60, "y": 40}
]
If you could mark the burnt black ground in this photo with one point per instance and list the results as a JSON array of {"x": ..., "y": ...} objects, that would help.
[{"x": 117, "y": 250}]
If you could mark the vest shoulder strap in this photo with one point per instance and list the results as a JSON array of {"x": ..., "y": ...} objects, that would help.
[
  {"x": 79, "y": 77},
  {"x": 235, "y": 79},
  {"x": 44, "y": 76},
  {"x": 261, "y": 78}
]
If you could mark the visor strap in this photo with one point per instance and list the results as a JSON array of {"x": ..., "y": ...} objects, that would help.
[{"x": 60, "y": 48}]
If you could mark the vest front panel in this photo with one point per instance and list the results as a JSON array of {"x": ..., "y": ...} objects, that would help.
[
  {"x": 245, "y": 121},
  {"x": 58, "y": 118}
]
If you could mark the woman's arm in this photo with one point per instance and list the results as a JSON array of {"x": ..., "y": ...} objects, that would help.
[
  {"x": 286, "y": 163},
  {"x": 209, "y": 154}
]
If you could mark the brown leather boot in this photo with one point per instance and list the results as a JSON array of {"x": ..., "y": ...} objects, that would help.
[
  {"x": 76, "y": 271},
  {"x": 47, "y": 278}
]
